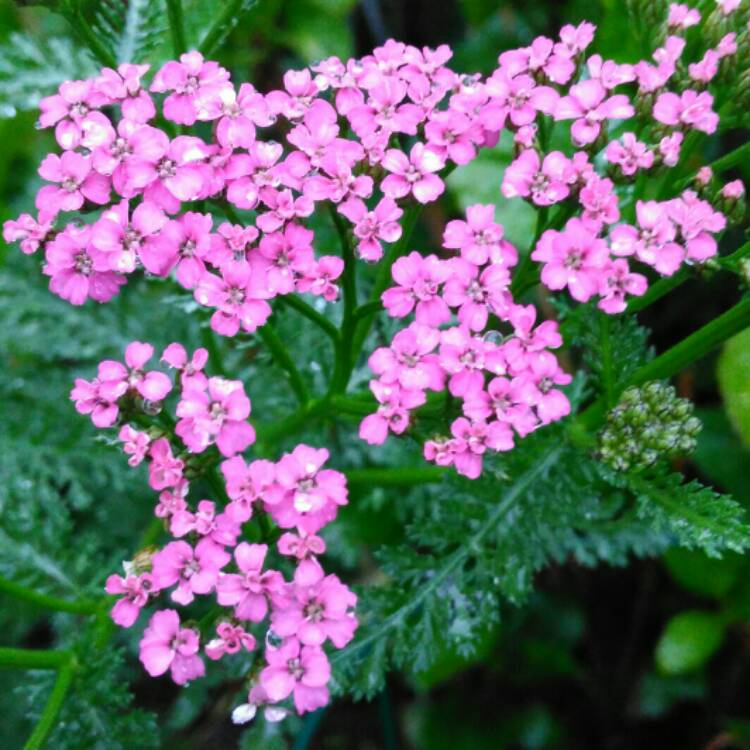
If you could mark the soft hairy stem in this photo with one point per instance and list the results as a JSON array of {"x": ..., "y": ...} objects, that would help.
[
  {"x": 47, "y": 601},
  {"x": 55, "y": 702}
]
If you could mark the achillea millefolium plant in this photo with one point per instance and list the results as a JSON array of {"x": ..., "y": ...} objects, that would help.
[{"x": 513, "y": 384}]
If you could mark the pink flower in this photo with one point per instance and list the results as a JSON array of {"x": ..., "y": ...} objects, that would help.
[
  {"x": 477, "y": 294},
  {"x": 122, "y": 238},
  {"x": 575, "y": 39},
  {"x": 230, "y": 639},
  {"x": 320, "y": 277},
  {"x": 70, "y": 110},
  {"x": 300, "y": 93},
  {"x": 182, "y": 244},
  {"x": 135, "y": 590},
  {"x": 465, "y": 357},
  {"x": 409, "y": 360},
  {"x": 617, "y": 284},
  {"x": 164, "y": 470},
  {"x": 573, "y": 258},
  {"x": 249, "y": 590},
  {"x": 238, "y": 114},
  {"x": 544, "y": 373},
  {"x": 691, "y": 108},
  {"x": 172, "y": 500},
  {"x": 479, "y": 238},
  {"x": 89, "y": 399},
  {"x": 195, "y": 571},
  {"x": 608, "y": 72},
  {"x": 419, "y": 279},
  {"x": 546, "y": 182},
  {"x": 697, "y": 223},
  {"x": 472, "y": 441},
  {"x": 318, "y": 613},
  {"x": 519, "y": 98},
  {"x": 589, "y": 105},
  {"x": 285, "y": 256},
  {"x": 124, "y": 86},
  {"x": 215, "y": 413},
  {"x": 136, "y": 444},
  {"x": 599, "y": 202},
  {"x": 116, "y": 379},
  {"x": 681, "y": 16},
  {"x": 191, "y": 371},
  {"x": 727, "y": 7},
  {"x": 191, "y": 80},
  {"x": 246, "y": 485},
  {"x": 504, "y": 400},
  {"x": 239, "y": 296},
  {"x": 669, "y": 148},
  {"x": 302, "y": 670},
  {"x": 282, "y": 208},
  {"x": 305, "y": 494},
  {"x": 165, "y": 645},
  {"x": 220, "y": 528},
  {"x": 629, "y": 154},
  {"x": 77, "y": 183},
  {"x": 30, "y": 232},
  {"x": 370, "y": 227},
  {"x": 78, "y": 270},
  {"x": 413, "y": 174},
  {"x": 395, "y": 404}
]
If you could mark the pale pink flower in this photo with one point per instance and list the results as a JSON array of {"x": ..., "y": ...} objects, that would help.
[
  {"x": 477, "y": 293},
  {"x": 220, "y": 528},
  {"x": 300, "y": 92},
  {"x": 629, "y": 154},
  {"x": 409, "y": 360},
  {"x": 697, "y": 223},
  {"x": 89, "y": 399},
  {"x": 29, "y": 232},
  {"x": 394, "y": 406},
  {"x": 70, "y": 109},
  {"x": 164, "y": 469},
  {"x": 246, "y": 485},
  {"x": 479, "y": 238},
  {"x": 545, "y": 182},
  {"x": 608, "y": 72},
  {"x": 117, "y": 378},
  {"x": 575, "y": 39},
  {"x": 165, "y": 645},
  {"x": 691, "y": 108},
  {"x": 617, "y": 284},
  {"x": 599, "y": 202},
  {"x": 669, "y": 148},
  {"x": 76, "y": 180},
  {"x": 682, "y": 16},
  {"x": 136, "y": 444},
  {"x": 370, "y": 227}
]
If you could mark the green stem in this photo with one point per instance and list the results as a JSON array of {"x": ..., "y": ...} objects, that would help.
[
  {"x": 223, "y": 24},
  {"x": 732, "y": 159},
  {"x": 228, "y": 210},
  {"x": 294, "y": 301},
  {"x": 395, "y": 476},
  {"x": 344, "y": 360},
  {"x": 25, "y": 658},
  {"x": 47, "y": 601},
  {"x": 273, "y": 433},
  {"x": 520, "y": 277},
  {"x": 176, "y": 26},
  {"x": 55, "y": 702},
  {"x": 282, "y": 357}
]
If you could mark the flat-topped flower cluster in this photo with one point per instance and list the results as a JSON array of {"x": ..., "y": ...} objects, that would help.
[{"x": 146, "y": 168}]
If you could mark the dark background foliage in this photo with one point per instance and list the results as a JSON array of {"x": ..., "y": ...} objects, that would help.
[{"x": 607, "y": 657}]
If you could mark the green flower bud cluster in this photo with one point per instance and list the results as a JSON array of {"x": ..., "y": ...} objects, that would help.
[{"x": 649, "y": 424}]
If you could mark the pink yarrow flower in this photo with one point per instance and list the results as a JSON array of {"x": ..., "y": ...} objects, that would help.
[
  {"x": 167, "y": 646},
  {"x": 413, "y": 174}
]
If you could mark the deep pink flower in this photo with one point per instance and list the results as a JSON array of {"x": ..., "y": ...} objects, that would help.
[
  {"x": 318, "y": 613},
  {"x": 29, "y": 232},
  {"x": 395, "y": 404},
  {"x": 413, "y": 174},
  {"x": 249, "y": 590},
  {"x": 191, "y": 81},
  {"x": 599, "y": 202},
  {"x": 546, "y": 182},
  {"x": 300, "y": 92},
  {"x": 697, "y": 223},
  {"x": 246, "y": 485},
  {"x": 164, "y": 470},
  {"x": 629, "y": 154},
  {"x": 573, "y": 258},
  {"x": 117, "y": 379},
  {"x": 70, "y": 110},
  {"x": 544, "y": 373},
  {"x": 135, "y": 590},
  {"x": 617, "y": 284},
  {"x": 89, "y": 399},
  {"x": 285, "y": 256},
  {"x": 124, "y": 86},
  {"x": 691, "y": 108},
  {"x": 230, "y": 639},
  {"x": 370, "y": 227},
  {"x": 77, "y": 270},
  {"x": 136, "y": 444},
  {"x": 409, "y": 360},
  {"x": 76, "y": 180},
  {"x": 479, "y": 238},
  {"x": 419, "y": 279},
  {"x": 165, "y": 645},
  {"x": 302, "y": 670},
  {"x": 477, "y": 293},
  {"x": 220, "y": 528},
  {"x": 238, "y": 112},
  {"x": 465, "y": 358},
  {"x": 504, "y": 401},
  {"x": 589, "y": 105},
  {"x": 191, "y": 370},
  {"x": 215, "y": 413},
  {"x": 472, "y": 441},
  {"x": 195, "y": 571},
  {"x": 520, "y": 98}
]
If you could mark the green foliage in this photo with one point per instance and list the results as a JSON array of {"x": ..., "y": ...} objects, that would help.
[
  {"x": 131, "y": 29},
  {"x": 688, "y": 641},
  {"x": 733, "y": 373},
  {"x": 31, "y": 69}
]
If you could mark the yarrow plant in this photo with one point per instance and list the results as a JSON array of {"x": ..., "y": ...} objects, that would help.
[{"x": 180, "y": 174}]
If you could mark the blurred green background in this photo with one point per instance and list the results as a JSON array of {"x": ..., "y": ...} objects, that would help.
[{"x": 655, "y": 655}]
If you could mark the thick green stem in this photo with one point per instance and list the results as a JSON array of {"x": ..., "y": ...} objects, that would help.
[
  {"x": 55, "y": 702},
  {"x": 176, "y": 26},
  {"x": 293, "y": 301},
  {"x": 225, "y": 21},
  {"x": 282, "y": 357},
  {"x": 46, "y": 601},
  {"x": 344, "y": 357},
  {"x": 395, "y": 476},
  {"x": 689, "y": 350},
  {"x": 25, "y": 658}
]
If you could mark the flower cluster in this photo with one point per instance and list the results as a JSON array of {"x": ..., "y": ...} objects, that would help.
[
  {"x": 649, "y": 424},
  {"x": 208, "y": 555}
]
